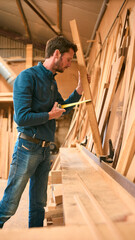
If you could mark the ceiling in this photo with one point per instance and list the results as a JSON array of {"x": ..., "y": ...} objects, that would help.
[{"x": 36, "y": 21}]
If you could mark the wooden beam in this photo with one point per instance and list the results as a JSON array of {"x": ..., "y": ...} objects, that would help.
[
  {"x": 59, "y": 14},
  {"x": 27, "y": 30},
  {"x": 29, "y": 55},
  {"x": 6, "y": 99},
  {"x": 87, "y": 91},
  {"x": 33, "y": 6}
]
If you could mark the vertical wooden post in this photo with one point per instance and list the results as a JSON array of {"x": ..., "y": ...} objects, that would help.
[
  {"x": 87, "y": 91},
  {"x": 29, "y": 55}
]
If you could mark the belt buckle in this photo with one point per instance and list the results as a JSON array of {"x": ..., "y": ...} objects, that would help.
[{"x": 43, "y": 144}]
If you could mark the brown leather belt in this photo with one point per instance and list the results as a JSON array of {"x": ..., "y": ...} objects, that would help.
[{"x": 35, "y": 140}]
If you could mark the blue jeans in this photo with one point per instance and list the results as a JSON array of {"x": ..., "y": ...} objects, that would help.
[{"x": 30, "y": 161}]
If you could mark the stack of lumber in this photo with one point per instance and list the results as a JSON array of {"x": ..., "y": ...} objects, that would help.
[
  {"x": 93, "y": 199},
  {"x": 112, "y": 90},
  {"x": 95, "y": 206},
  {"x": 8, "y": 135},
  {"x": 54, "y": 209}
]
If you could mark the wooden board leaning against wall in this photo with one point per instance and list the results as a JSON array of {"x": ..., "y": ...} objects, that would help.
[
  {"x": 113, "y": 89},
  {"x": 8, "y": 136}
]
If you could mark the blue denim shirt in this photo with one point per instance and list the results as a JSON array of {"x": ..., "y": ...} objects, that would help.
[{"x": 34, "y": 93}]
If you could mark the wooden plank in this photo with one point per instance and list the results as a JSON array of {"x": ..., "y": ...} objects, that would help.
[
  {"x": 15, "y": 133},
  {"x": 92, "y": 226},
  {"x": 112, "y": 87},
  {"x": 4, "y": 155},
  {"x": 4, "y": 149},
  {"x": 113, "y": 177},
  {"x": 88, "y": 190},
  {"x": 6, "y": 94},
  {"x": 82, "y": 125},
  {"x": 95, "y": 73},
  {"x": 94, "y": 83},
  {"x": 29, "y": 55},
  {"x": 56, "y": 164},
  {"x": 0, "y": 156},
  {"x": 71, "y": 130},
  {"x": 107, "y": 69},
  {"x": 104, "y": 53},
  {"x": 129, "y": 114},
  {"x": 87, "y": 91},
  {"x": 11, "y": 147},
  {"x": 128, "y": 149},
  {"x": 101, "y": 211},
  {"x": 84, "y": 129},
  {"x": 129, "y": 69},
  {"x": 124, "y": 96},
  {"x": 58, "y": 199},
  {"x": 54, "y": 213},
  {"x": 6, "y": 99},
  {"x": 9, "y": 119},
  {"x": 1, "y": 120},
  {"x": 56, "y": 177},
  {"x": 130, "y": 65},
  {"x": 131, "y": 171},
  {"x": 76, "y": 123},
  {"x": 114, "y": 121},
  {"x": 58, "y": 221},
  {"x": 63, "y": 232},
  {"x": 52, "y": 233},
  {"x": 105, "y": 75}
]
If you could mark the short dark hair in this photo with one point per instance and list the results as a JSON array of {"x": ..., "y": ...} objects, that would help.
[{"x": 60, "y": 43}]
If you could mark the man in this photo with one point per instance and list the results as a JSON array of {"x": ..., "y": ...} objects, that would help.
[{"x": 36, "y": 99}]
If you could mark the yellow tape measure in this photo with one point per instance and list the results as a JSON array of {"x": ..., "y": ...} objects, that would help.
[{"x": 73, "y": 104}]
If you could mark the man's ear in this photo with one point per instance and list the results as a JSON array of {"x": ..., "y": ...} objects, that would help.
[{"x": 57, "y": 54}]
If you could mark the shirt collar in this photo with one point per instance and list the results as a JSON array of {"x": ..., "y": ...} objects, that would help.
[{"x": 46, "y": 71}]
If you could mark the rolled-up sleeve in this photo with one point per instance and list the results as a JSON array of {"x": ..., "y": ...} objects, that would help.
[{"x": 74, "y": 97}]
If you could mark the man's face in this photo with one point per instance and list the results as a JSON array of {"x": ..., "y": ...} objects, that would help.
[{"x": 64, "y": 61}]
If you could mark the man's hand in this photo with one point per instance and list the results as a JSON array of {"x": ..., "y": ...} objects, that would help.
[
  {"x": 79, "y": 88},
  {"x": 56, "y": 112}
]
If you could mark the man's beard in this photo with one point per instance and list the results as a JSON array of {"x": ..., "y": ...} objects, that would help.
[{"x": 57, "y": 66}]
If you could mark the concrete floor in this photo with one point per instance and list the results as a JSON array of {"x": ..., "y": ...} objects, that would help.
[{"x": 20, "y": 219}]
